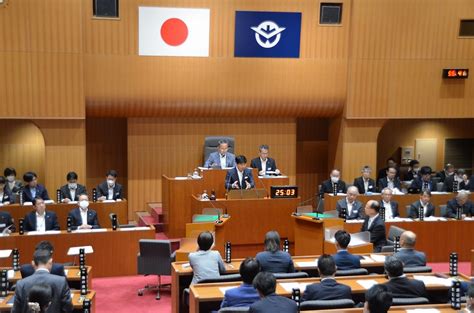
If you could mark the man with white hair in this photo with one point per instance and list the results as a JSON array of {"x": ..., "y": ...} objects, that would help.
[
  {"x": 364, "y": 183},
  {"x": 460, "y": 202},
  {"x": 407, "y": 253},
  {"x": 350, "y": 203},
  {"x": 391, "y": 207}
]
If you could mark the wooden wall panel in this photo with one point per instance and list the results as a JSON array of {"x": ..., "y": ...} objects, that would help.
[
  {"x": 398, "y": 50},
  {"x": 22, "y": 147},
  {"x": 175, "y": 147}
]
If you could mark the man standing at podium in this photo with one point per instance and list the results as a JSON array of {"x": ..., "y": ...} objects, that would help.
[
  {"x": 240, "y": 177},
  {"x": 221, "y": 158},
  {"x": 263, "y": 163}
]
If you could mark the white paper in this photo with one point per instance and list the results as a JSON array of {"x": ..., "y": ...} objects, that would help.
[
  {"x": 366, "y": 259},
  {"x": 10, "y": 274},
  {"x": 423, "y": 311},
  {"x": 469, "y": 218},
  {"x": 439, "y": 193},
  {"x": 108, "y": 201},
  {"x": 134, "y": 228},
  {"x": 432, "y": 280},
  {"x": 181, "y": 178},
  {"x": 48, "y": 232},
  {"x": 434, "y": 219},
  {"x": 92, "y": 230},
  {"x": 377, "y": 257},
  {"x": 290, "y": 286},
  {"x": 48, "y": 201},
  {"x": 72, "y": 202},
  {"x": 356, "y": 242},
  {"x": 366, "y": 283},
  {"x": 27, "y": 203},
  {"x": 75, "y": 250},
  {"x": 5, "y": 253},
  {"x": 224, "y": 289},
  {"x": 185, "y": 265},
  {"x": 1, "y": 204},
  {"x": 354, "y": 221},
  {"x": 401, "y": 219},
  {"x": 66, "y": 271},
  {"x": 308, "y": 264}
]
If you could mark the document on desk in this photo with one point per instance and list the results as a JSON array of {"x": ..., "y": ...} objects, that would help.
[
  {"x": 5, "y": 253},
  {"x": 290, "y": 286},
  {"x": 435, "y": 219},
  {"x": 432, "y": 280},
  {"x": 400, "y": 219},
  {"x": 366, "y": 259},
  {"x": 366, "y": 283},
  {"x": 66, "y": 271},
  {"x": 423, "y": 311},
  {"x": 134, "y": 228},
  {"x": 308, "y": 264},
  {"x": 10, "y": 274},
  {"x": 49, "y": 232},
  {"x": 355, "y": 221},
  {"x": 378, "y": 258},
  {"x": 224, "y": 289}
]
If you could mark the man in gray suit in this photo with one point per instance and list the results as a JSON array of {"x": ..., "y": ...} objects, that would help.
[
  {"x": 221, "y": 158},
  {"x": 61, "y": 301},
  {"x": 407, "y": 253},
  {"x": 350, "y": 203}
]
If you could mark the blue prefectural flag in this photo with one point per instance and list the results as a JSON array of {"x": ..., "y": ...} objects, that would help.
[{"x": 267, "y": 34}]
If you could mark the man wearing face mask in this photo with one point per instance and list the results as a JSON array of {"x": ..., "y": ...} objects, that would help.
[
  {"x": 447, "y": 172},
  {"x": 72, "y": 190},
  {"x": 333, "y": 184},
  {"x": 110, "y": 189},
  {"x": 32, "y": 189},
  {"x": 13, "y": 186},
  {"x": 83, "y": 217},
  {"x": 413, "y": 169}
]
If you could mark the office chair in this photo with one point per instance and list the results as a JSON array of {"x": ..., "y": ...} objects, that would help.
[
  {"x": 154, "y": 258},
  {"x": 410, "y": 301},
  {"x": 326, "y": 304},
  {"x": 353, "y": 272},
  {"x": 393, "y": 232},
  {"x": 211, "y": 142},
  {"x": 241, "y": 309},
  {"x": 443, "y": 210}
]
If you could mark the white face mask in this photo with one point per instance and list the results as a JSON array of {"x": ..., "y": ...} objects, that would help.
[
  {"x": 11, "y": 178},
  {"x": 84, "y": 204},
  {"x": 72, "y": 185},
  {"x": 334, "y": 179},
  {"x": 111, "y": 182}
]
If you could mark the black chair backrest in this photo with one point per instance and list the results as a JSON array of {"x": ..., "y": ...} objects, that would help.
[
  {"x": 154, "y": 248},
  {"x": 394, "y": 231},
  {"x": 410, "y": 301},
  {"x": 242, "y": 309},
  {"x": 222, "y": 279},
  {"x": 211, "y": 142},
  {"x": 290, "y": 275},
  {"x": 354, "y": 272},
  {"x": 326, "y": 304},
  {"x": 417, "y": 269}
]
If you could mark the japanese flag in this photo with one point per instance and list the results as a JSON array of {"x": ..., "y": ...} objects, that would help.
[{"x": 173, "y": 31}]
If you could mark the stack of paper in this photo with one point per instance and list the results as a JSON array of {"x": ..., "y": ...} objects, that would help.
[
  {"x": 434, "y": 219},
  {"x": 354, "y": 221},
  {"x": 432, "y": 280},
  {"x": 378, "y": 257},
  {"x": 366, "y": 283},
  {"x": 401, "y": 219},
  {"x": 48, "y": 232},
  {"x": 5, "y": 253},
  {"x": 290, "y": 286},
  {"x": 134, "y": 228},
  {"x": 423, "y": 311},
  {"x": 224, "y": 289},
  {"x": 308, "y": 264},
  {"x": 367, "y": 259}
]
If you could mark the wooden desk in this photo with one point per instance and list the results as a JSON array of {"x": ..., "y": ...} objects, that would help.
[
  {"x": 210, "y": 293},
  {"x": 176, "y": 196},
  {"x": 442, "y": 308},
  {"x": 251, "y": 219},
  {"x": 403, "y": 200},
  {"x": 115, "y": 252},
  {"x": 182, "y": 273},
  {"x": 76, "y": 301},
  {"x": 436, "y": 239},
  {"x": 62, "y": 210}
]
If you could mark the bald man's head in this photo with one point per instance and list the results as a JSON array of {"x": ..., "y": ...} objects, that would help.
[{"x": 408, "y": 239}]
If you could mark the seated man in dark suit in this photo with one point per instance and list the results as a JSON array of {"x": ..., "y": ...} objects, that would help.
[
  {"x": 7, "y": 224},
  {"x": 83, "y": 217},
  {"x": 391, "y": 207},
  {"x": 72, "y": 190},
  {"x": 447, "y": 172},
  {"x": 375, "y": 225},
  {"x": 365, "y": 184},
  {"x": 399, "y": 285},
  {"x": 390, "y": 180},
  {"x": 110, "y": 189},
  {"x": 32, "y": 188},
  {"x": 221, "y": 158},
  {"x": 40, "y": 219},
  {"x": 407, "y": 253},
  {"x": 274, "y": 260},
  {"x": 413, "y": 170},
  {"x": 383, "y": 172},
  {"x": 269, "y": 302},
  {"x": 377, "y": 299},
  {"x": 334, "y": 184},
  {"x": 245, "y": 294},
  {"x": 461, "y": 202},
  {"x": 455, "y": 182},
  {"x": 13, "y": 186},
  {"x": 424, "y": 182},
  {"x": 56, "y": 268},
  {"x": 424, "y": 202},
  {"x": 61, "y": 300},
  {"x": 5, "y": 194},
  {"x": 263, "y": 163},
  {"x": 329, "y": 288},
  {"x": 344, "y": 260},
  {"x": 350, "y": 204},
  {"x": 239, "y": 177}
]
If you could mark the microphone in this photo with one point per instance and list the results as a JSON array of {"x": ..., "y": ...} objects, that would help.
[
  {"x": 227, "y": 184},
  {"x": 219, "y": 221},
  {"x": 264, "y": 188},
  {"x": 334, "y": 189}
]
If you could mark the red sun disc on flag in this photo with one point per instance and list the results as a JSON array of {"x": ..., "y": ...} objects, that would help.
[{"x": 174, "y": 31}]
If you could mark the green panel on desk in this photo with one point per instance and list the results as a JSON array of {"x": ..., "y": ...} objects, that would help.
[
  {"x": 320, "y": 215},
  {"x": 205, "y": 218}
]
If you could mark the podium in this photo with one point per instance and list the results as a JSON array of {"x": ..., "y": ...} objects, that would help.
[{"x": 246, "y": 194}]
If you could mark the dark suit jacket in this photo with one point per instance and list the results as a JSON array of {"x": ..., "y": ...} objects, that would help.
[
  {"x": 65, "y": 192},
  {"x": 377, "y": 232},
  {"x": 7, "y": 196},
  {"x": 327, "y": 187},
  {"x": 394, "y": 205},
  {"x": 40, "y": 192},
  {"x": 5, "y": 221},
  {"x": 76, "y": 219},
  {"x": 257, "y": 163},
  {"x": 328, "y": 289},
  {"x": 471, "y": 183},
  {"x": 51, "y": 221},
  {"x": 244, "y": 295},
  {"x": 103, "y": 190},
  {"x": 411, "y": 175},
  {"x": 272, "y": 304},
  {"x": 383, "y": 173},
  {"x": 357, "y": 211},
  {"x": 14, "y": 191},
  {"x": 383, "y": 183},
  {"x": 449, "y": 184},
  {"x": 417, "y": 185},
  {"x": 402, "y": 287},
  {"x": 232, "y": 176},
  {"x": 452, "y": 205},
  {"x": 346, "y": 261},
  {"x": 28, "y": 270},
  {"x": 61, "y": 301},
  {"x": 415, "y": 207},
  {"x": 411, "y": 257},
  {"x": 275, "y": 262},
  {"x": 442, "y": 175},
  {"x": 359, "y": 183}
]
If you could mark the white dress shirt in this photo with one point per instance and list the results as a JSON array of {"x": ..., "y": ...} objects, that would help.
[
  {"x": 366, "y": 184},
  {"x": 349, "y": 207},
  {"x": 223, "y": 162},
  {"x": 425, "y": 207},
  {"x": 388, "y": 210},
  {"x": 390, "y": 183},
  {"x": 240, "y": 174},
  {"x": 33, "y": 192},
  {"x": 73, "y": 194},
  {"x": 264, "y": 166},
  {"x": 40, "y": 222},
  {"x": 110, "y": 196},
  {"x": 84, "y": 216},
  {"x": 371, "y": 220}
]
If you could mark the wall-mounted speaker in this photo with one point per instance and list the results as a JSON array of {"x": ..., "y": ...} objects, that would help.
[
  {"x": 330, "y": 13},
  {"x": 105, "y": 8}
]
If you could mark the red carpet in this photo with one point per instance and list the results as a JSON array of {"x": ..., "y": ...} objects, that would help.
[{"x": 119, "y": 294}]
